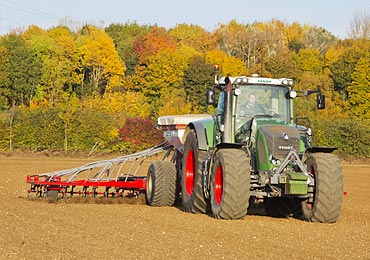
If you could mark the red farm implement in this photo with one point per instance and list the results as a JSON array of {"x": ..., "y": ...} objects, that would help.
[
  {"x": 108, "y": 178},
  {"x": 122, "y": 176}
]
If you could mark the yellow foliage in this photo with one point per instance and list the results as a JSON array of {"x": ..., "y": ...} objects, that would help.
[
  {"x": 311, "y": 60},
  {"x": 129, "y": 104},
  {"x": 165, "y": 71},
  {"x": 99, "y": 53},
  {"x": 230, "y": 66},
  {"x": 173, "y": 103},
  {"x": 39, "y": 103}
]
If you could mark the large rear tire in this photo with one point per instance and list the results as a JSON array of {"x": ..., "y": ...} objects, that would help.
[
  {"x": 193, "y": 199},
  {"x": 328, "y": 190},
  {"x": 230, "y": 184},
  {"x": 161, "y": 184}
]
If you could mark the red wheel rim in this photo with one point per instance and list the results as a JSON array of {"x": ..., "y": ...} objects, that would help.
[
  {"x": 218, "y": 189},
  {"x": 189, "y": 173}
]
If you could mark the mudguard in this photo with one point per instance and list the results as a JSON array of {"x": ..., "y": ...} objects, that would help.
[{"x": 204, "y": 130}]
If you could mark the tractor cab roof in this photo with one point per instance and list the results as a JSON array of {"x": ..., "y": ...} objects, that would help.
[{"x": 255, "y": 79}]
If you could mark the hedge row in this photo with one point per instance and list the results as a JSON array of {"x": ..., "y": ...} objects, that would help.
[
  {"x": 350, "y": 136},
  {"x": 89, "y": 129}
]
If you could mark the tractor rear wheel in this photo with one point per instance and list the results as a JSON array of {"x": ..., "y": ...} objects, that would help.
[
  {"x": 327, "y": 193},
  {"x": 230, "y": 184},
  {"x": 193, "y": 199},
  {"x": 161, "y": 184}
]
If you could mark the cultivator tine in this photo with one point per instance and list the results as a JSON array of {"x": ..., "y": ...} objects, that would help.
[{"x": 120, "y": 174}]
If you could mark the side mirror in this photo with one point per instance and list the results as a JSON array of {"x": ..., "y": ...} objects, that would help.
[
  {"x": 210, "y": 97},
  {"x": 320, "y": 101}
]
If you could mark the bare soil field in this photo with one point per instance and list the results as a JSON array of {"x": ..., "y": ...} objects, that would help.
[{"x": 39, "y": 229}]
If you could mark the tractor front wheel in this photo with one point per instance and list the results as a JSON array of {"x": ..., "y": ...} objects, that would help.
[
  {"x": 161, "y": 184},
  {"x": 327, "y": 193},
  {"x": 230, "y": 184}
]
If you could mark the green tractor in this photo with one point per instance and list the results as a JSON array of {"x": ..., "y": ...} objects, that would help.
[{"x": 250, "y": 151}]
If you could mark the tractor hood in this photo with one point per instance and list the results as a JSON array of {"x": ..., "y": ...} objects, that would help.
[{"x": 279, "y": 139}]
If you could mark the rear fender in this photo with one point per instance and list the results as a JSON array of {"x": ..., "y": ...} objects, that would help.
[{"x": 205, "y": 132}]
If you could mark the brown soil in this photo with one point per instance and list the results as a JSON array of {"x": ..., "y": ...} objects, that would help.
[{"x": 40, "y": 229}]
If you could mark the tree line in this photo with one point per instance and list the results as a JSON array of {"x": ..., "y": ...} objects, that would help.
[{"x": 77, "y": 90}]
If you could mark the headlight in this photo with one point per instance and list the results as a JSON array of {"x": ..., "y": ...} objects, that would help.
[
  {"x": 292, "y": 94},
  {"x": 287, "y": 82}
]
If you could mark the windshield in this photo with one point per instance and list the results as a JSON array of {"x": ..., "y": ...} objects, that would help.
[{"x": 262, "y": 100}]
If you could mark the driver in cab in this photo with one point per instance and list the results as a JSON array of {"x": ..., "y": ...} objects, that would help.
[
  {"x": 247, "y": 110},
  {"x": 252, "y": 107}
]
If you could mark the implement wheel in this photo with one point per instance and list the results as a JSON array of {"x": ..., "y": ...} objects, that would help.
[
  {"x": 191, "y": 178},
  {"x": 230, "y": 184},
  {"x": 161, "y": 184},
  {"x": 327, "y": 193}
]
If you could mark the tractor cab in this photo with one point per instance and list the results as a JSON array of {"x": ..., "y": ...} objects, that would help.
[{"x": 254, "y": 99}]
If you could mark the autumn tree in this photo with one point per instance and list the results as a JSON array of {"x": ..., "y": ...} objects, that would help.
[
  {"x": 343, "y": 67},
  {"x": 148, "y": 45},
  {"x": 60, "y": 69},
  {"x": 124, "y": 36},
  {"x": 359, "y": 89},
  {"x": 193, "y": 36},
  {"x": 155, "y": 40},
  {"x": 164, "y": 73},
  {"x": 294, "y": 36},
  {"x": 239, "y": 40},
  {"x": 173, "y": 103},
  {"x": 101, "y": 68},
  {"x": 310, "y": 60},
  {"x": 230, "y": 66}
]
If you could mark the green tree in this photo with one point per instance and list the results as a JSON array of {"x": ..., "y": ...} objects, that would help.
[
  {"x": 25, "y": 69},
  {"x": 197, "y": 77},
  {"x": 5, "y": 81}
]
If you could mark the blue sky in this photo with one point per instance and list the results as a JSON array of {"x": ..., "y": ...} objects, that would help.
[{"x": 333, "y": 15}]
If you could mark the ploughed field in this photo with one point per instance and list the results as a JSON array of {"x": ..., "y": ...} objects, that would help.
[{"x": 129, "y": 229}]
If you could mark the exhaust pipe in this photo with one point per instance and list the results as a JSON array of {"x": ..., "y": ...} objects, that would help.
[{"x": 227, "y": 138}]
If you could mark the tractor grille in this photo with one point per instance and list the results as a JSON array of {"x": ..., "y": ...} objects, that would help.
[{"x": 280, "y": 139}]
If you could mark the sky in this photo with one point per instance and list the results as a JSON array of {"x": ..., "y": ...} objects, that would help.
[{"x": 333, "y": 15}]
